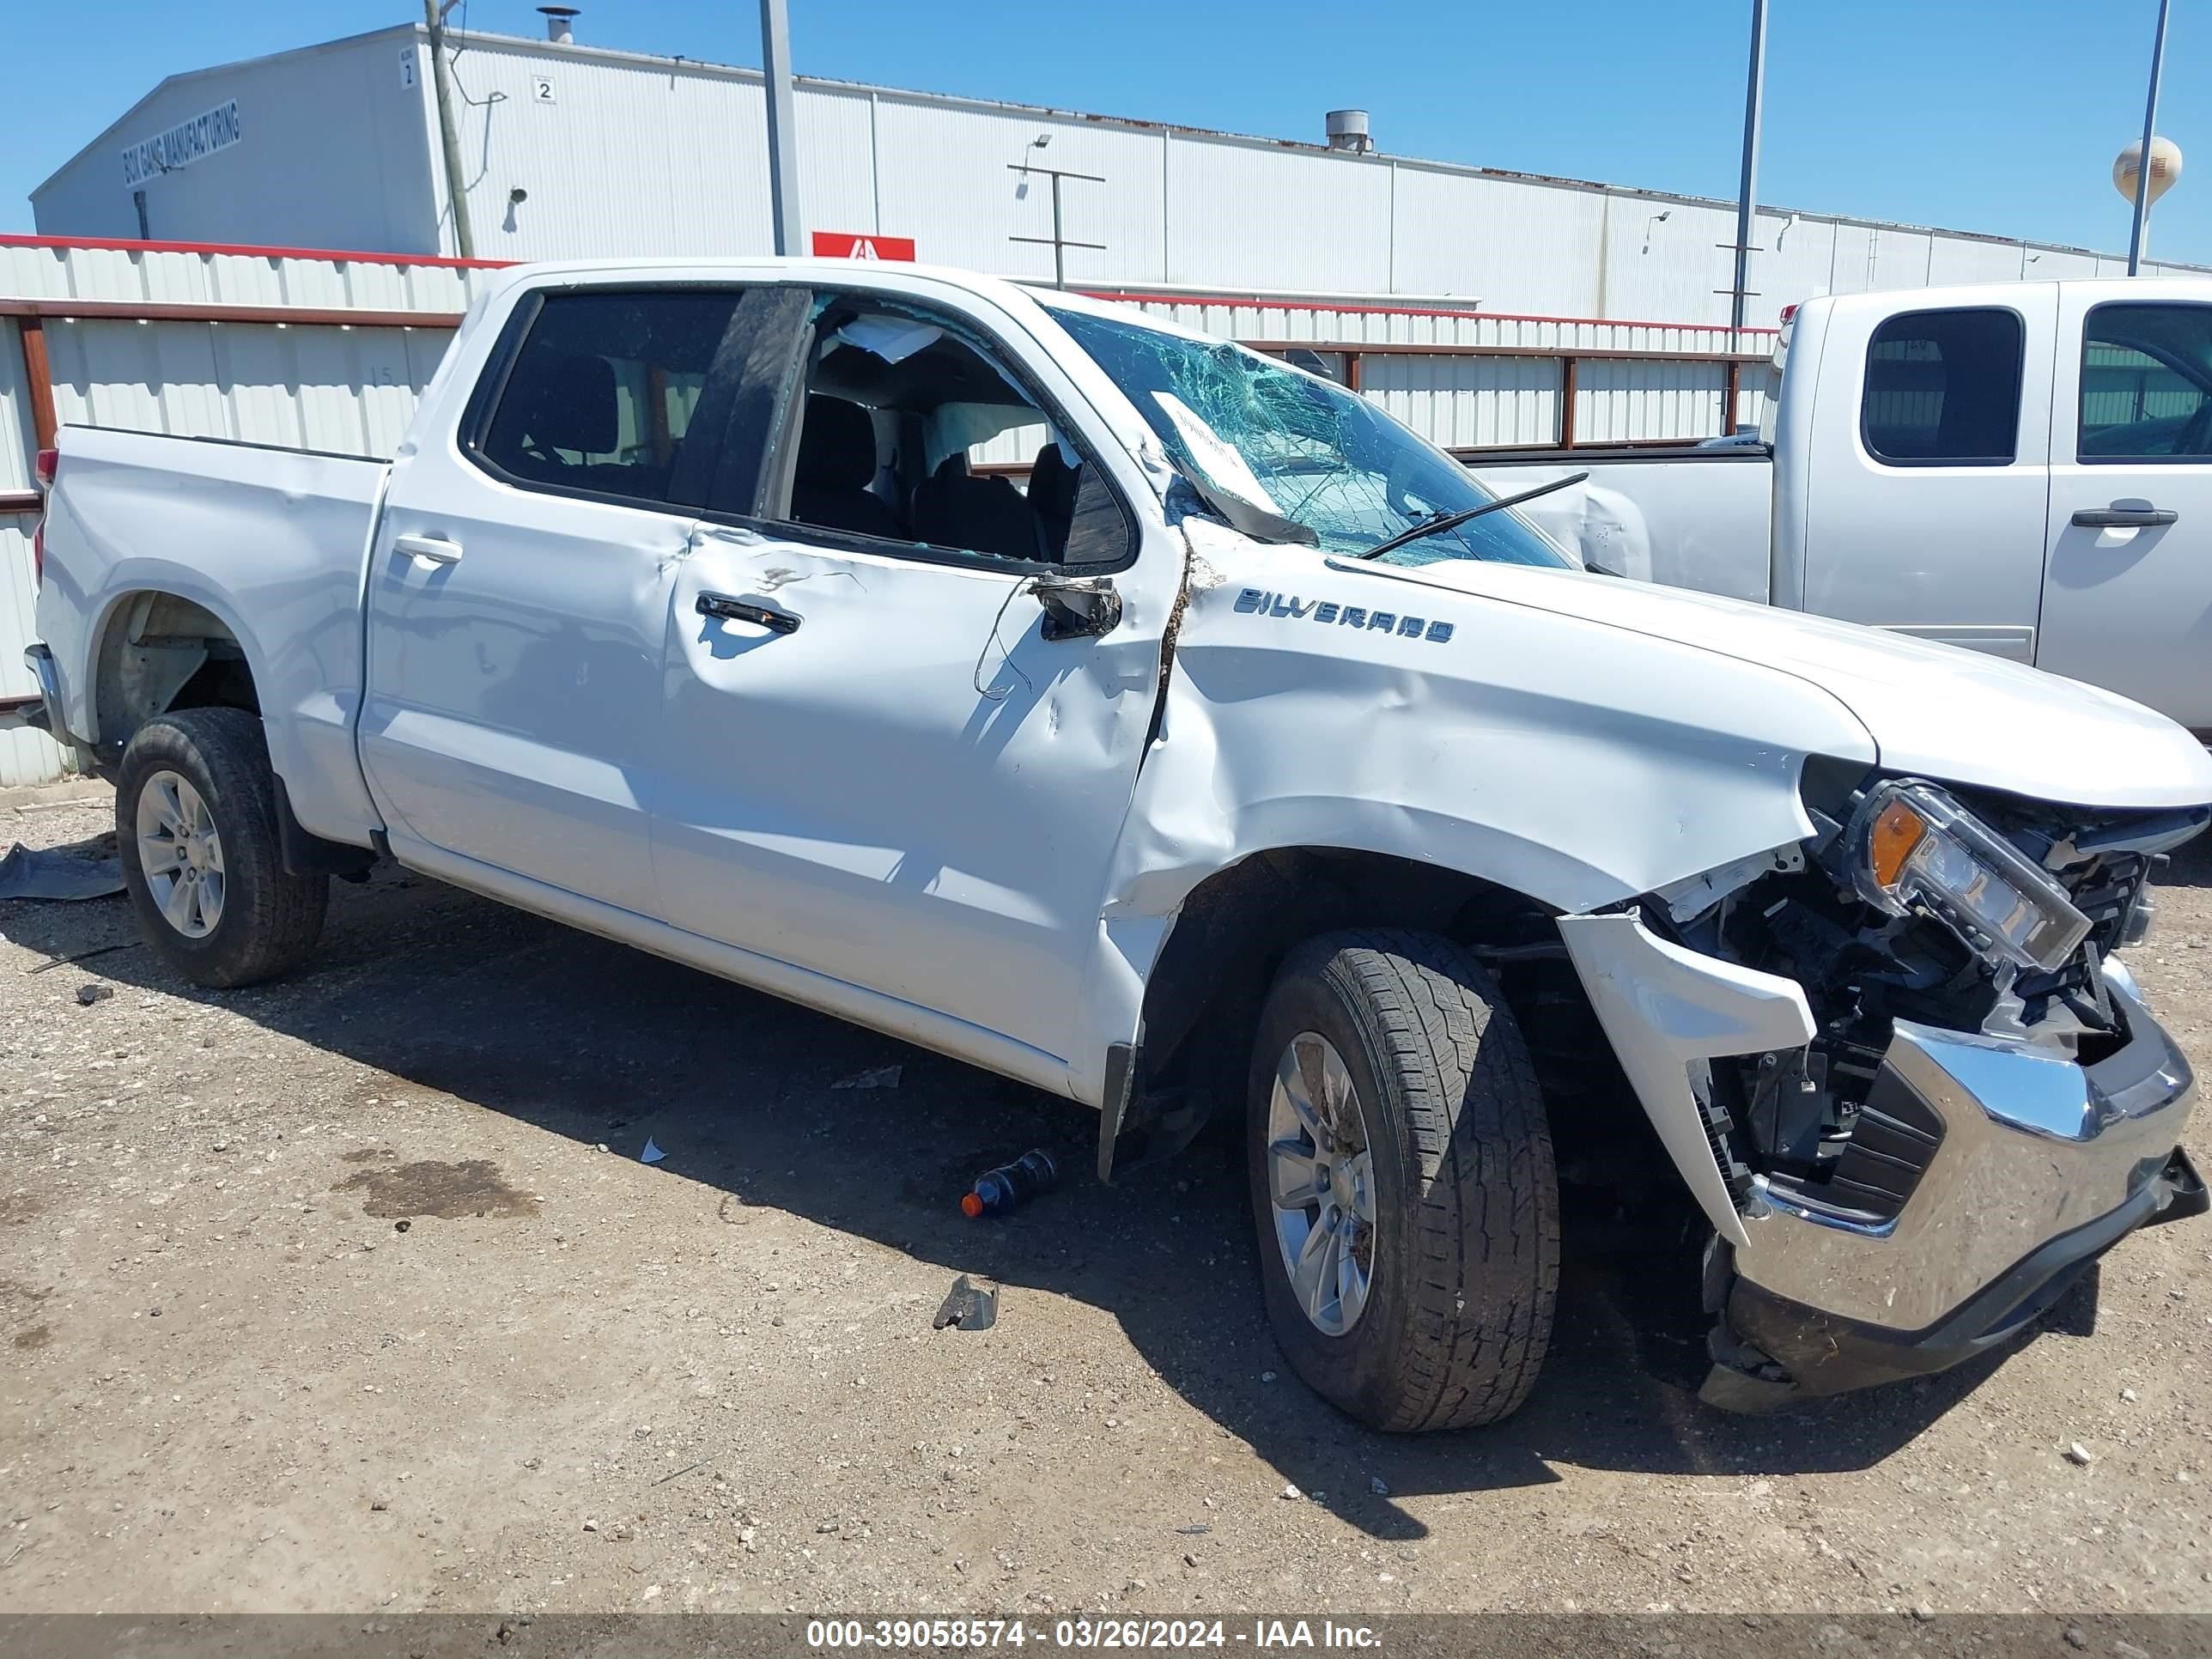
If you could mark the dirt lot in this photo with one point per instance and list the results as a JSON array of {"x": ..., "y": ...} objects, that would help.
[{"x": 352, "y": 1293}]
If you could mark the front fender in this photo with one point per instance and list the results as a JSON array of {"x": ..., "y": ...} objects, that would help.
[{"x": 1574, "y": 763}]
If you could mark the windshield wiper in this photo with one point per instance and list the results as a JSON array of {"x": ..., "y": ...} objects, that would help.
[{"x": 1443, "y": 521}]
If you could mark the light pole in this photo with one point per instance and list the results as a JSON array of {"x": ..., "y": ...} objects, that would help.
[
  {"x": 457, "y": 190},
  {"x": 1754, "y": 92},
  {"x": 2147, "y": 159},
  {"x": 782, "y": 125}
]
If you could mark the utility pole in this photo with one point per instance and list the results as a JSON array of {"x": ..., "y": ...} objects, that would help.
[
  {"x": 782, "y": 125},
  {"x": 1747, "y": 206},
  {"x": 2136, "y": 240},
  {"x": 457, "y": 191},
  {"x": 1058, "y": 241}
]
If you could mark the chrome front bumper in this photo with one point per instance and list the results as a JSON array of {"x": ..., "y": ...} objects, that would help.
[
  {"x": 2040, "y": 1163},
  {"x": 2034, "y": 1147}
]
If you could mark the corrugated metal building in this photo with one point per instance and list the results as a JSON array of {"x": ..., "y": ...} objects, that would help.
[{"x": 574, "y": 149}]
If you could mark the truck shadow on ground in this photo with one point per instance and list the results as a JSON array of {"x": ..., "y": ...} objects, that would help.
[{"x": 598, "y": 1044}]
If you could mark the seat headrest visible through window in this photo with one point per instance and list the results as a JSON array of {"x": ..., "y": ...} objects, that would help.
[
  {"x": 982, "y": 515},
  {"x": 1052, "y": 485},
  {"x": 560, "y": 400},
  {"x": 837, "y": 445}
]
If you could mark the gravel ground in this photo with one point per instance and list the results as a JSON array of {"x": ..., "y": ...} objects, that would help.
[{"x": 352, "y": 1293}]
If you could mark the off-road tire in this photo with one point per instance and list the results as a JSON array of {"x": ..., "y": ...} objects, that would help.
[
  {"x": 1466, "y": 1261},
  {"x": 269, "y": 918}
]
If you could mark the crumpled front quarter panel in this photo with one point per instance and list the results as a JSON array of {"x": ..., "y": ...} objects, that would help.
[{"x": 1570, "y": 761}]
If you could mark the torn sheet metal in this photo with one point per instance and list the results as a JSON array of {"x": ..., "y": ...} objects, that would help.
[
  {"x": 1664, "y": 1007},
  {"x": 1694, "y": 894}
]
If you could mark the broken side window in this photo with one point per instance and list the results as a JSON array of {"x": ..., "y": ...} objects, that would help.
[{"x": 914, "y": 430}]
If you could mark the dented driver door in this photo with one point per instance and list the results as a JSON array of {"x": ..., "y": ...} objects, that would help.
[{"x": 891, "y": 774}]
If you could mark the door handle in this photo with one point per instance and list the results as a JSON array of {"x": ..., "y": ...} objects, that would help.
[
  {"x": 438, "y": 549},
  {"x": 2118, "y": 518},
  {"x": 735, "y": 610}
]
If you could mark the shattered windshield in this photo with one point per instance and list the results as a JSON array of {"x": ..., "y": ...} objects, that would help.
[{"x": 1300, "y": 447}]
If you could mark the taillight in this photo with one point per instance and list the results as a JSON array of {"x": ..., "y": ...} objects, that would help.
[{"x": 43, "y": 468}]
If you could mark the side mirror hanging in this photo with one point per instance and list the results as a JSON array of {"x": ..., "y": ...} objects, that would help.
[{"x": 1077, "y": 607}]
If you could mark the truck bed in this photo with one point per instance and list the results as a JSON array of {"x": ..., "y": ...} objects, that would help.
[
  {"x": 270, "y": 541},
  {"x": 1686, "y": 516}
]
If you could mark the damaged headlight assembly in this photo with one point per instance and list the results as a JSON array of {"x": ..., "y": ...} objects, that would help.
[{"x": 1916, "y": 850}]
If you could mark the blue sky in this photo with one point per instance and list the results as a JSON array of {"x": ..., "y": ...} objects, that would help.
[{"x": 2000, "y": 115}]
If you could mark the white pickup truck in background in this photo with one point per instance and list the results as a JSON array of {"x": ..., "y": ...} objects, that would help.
[
  {"x": 1252, "y": 760},
  {"x": 2024, "y": 468}
]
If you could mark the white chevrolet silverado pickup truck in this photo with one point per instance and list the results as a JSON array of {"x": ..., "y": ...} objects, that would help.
[
  {"x": 1250, "y": 761},
  {"x": 2022, "y": 468}
]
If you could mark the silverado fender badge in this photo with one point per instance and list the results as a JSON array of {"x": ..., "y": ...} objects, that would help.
[{"x": 1260, "y": 603}]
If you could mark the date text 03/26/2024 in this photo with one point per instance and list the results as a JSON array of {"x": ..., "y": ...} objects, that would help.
[{"x": 896, "y": 1634}]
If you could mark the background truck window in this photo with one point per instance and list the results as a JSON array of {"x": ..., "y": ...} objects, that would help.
[
  {"x": 2146, "y": 383},
  {"x": 1942, "y": 388}
]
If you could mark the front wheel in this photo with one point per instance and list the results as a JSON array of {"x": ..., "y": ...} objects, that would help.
[
  {"x": 202, "y": 858},
  {"x": 1403, "y": 1184}
]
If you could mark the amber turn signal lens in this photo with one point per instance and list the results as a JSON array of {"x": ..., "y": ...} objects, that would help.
[{"x": 1895, "y": 834}]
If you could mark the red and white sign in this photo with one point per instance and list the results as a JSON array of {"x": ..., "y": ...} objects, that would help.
[{"x": 855, "y": 245}]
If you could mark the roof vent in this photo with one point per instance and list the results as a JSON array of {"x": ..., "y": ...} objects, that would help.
[
  {"x": 1347, "y": 130},
  {"x": 560, "y": 23}
]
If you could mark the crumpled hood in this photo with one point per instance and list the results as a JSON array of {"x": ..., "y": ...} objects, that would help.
[{"x": 1936, "y": 711}]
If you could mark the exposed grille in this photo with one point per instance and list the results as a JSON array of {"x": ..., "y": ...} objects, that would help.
[
  {"x": 2105, "y": 891},
  {"x": 1895, "y": 1136},
  {"x": 1892, "y": 1139}
]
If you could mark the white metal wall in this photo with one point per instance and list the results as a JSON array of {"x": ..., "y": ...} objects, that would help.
[
  {"x": 1178, "y": 206},
  {"x": 1645, "y": 399},
  {"x": 232, "y": 278},
  {"x": 333, "y": 151},
  {"x": 1467, "y": 402},
  {"x": 1380, "y": 320},
  {"x": 348, "y": 390},
  {"x": 619, "y": 154},
  {"x": 25, "y": 756}
]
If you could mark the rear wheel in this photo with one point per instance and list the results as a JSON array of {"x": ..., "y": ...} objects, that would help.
[
  {"x": 1401, "y": 1181},
  {"x": 196, "y": 825}
]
